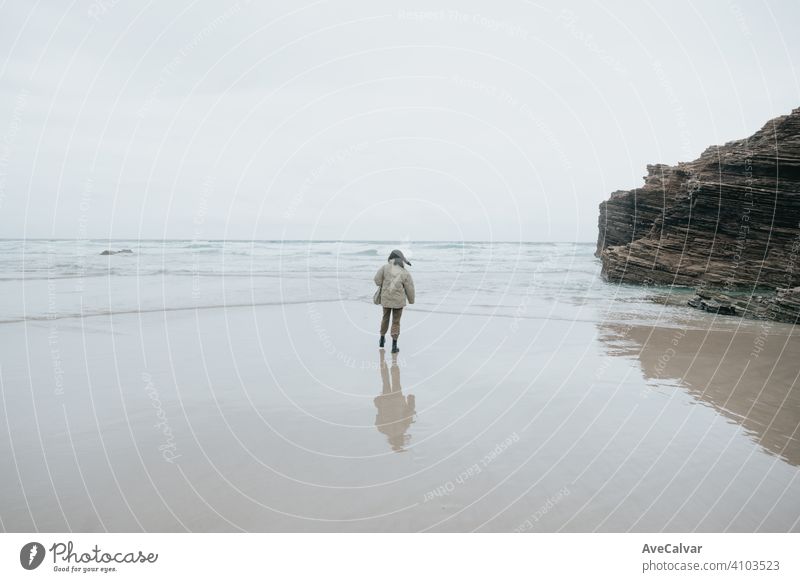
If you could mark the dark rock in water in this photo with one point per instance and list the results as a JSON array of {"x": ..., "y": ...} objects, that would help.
[
  {"x": 785, "y": 306},
  {"x": 120, "y": 252},
  {"x": 728, "y": 221},
  {"x": 719, "y": 305}
]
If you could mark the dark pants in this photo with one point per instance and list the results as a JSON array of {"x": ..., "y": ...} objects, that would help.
[{"x": 396, "y": 314}]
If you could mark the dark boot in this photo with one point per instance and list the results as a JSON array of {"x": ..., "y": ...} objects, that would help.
[
  {"x": 382, "y": 342},
  {"x": 395, "y": 349}
]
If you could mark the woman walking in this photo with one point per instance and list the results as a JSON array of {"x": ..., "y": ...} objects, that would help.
[{"x": 396, "y": 285}]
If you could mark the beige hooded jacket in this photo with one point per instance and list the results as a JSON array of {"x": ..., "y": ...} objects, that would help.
[{"x": 396, "y": 285}]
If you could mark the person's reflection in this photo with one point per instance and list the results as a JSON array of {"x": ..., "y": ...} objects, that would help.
[{"x": 395, "y": 411}]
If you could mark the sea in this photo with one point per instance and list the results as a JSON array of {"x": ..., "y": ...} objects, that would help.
[{"x": 53, "y": 279}]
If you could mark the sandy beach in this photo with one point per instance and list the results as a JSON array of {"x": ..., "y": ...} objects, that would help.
[{"x": 289, "y": 418}]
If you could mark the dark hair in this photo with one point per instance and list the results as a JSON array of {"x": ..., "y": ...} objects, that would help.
[{"x": 399, "y": 257}]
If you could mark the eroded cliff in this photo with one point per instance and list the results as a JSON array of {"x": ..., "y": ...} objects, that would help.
[{"x": 728, "y": 222}]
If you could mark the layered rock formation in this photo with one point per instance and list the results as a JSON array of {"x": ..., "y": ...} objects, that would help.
[{"x": 728, "y": 221}]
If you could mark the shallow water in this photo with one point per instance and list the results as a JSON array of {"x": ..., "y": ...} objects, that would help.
[
  {"x": 528, "y": 395},
  {"x": 58, "y": 278}
]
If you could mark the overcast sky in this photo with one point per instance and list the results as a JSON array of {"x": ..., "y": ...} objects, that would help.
[{"x": 358, "y": 120}]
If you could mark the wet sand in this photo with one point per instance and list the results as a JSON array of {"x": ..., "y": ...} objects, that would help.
[{"x": 290, "y": 419}]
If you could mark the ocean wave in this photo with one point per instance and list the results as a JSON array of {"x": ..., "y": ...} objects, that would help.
[
  {"x": 44, "y": 275},
  {"x": 445, "y": 246},
  {"x": 166, "y": 309}
]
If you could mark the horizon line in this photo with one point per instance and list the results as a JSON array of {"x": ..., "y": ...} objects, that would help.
[{"x": 287, "y": 240}]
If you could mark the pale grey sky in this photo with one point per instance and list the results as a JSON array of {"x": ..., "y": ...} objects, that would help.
[{"x": 360, "y": 120}]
